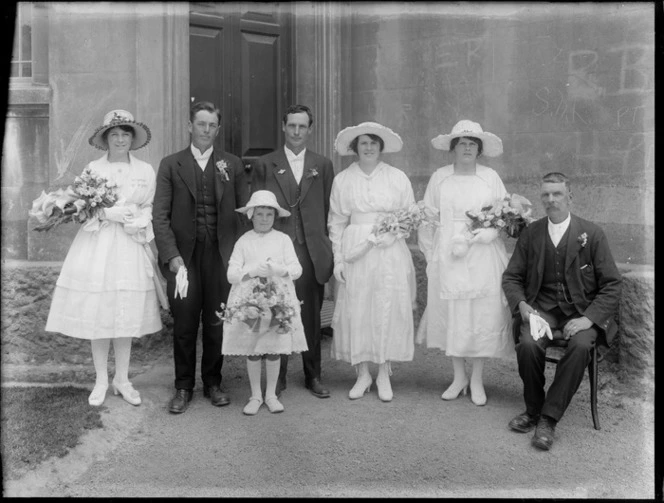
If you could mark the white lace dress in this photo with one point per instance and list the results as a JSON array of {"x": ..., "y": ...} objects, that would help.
[
  {"x": 250, "y": 250},
  {"x": 467, "y": 313},
  {"x": 106, "y": 286},
  {"x": 373, "y": 317}
]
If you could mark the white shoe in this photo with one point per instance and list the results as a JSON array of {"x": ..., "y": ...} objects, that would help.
[
  {"x": 98, "y": 395},
  {"x": 362, "y": 386},
  {"x": 274, "y": 405},
  {"x": 127, "y": 391},
  {"x": 454, "y": 389},
  {"x": 477, "y": 395},
  {"x": 251, "y": 409},
  {"x": 383, "y": 382},
  {"x": 363, "y": 383}
]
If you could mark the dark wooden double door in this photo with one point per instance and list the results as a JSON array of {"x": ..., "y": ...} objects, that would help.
[{"x": 240, "y": 59}]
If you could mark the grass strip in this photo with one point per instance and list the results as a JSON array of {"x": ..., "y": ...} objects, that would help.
[{"x": 38, "y": 423}]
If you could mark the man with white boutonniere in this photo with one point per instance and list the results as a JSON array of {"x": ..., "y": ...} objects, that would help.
[
  {"x": 302, "y": 182},
  {"x": 561, "y": 280},
  {"x": 196, "y": 227}
]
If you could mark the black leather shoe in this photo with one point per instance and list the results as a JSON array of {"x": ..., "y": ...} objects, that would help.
[
  {"x": 316, "y": 388},
  {"x": 523, "y": 423},
  {"x": 281, "y": 386},
  {"x": 543, "y": 438},
  {"x": 217, "y": 397},
  {"x": 180, "y": 401}
]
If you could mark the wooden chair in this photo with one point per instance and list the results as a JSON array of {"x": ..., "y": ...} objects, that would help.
[{"x": 555, "y": 352}]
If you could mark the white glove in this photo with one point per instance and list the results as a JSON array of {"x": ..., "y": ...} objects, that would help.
[
  {"x": 276, "y": 269},
  {"x": 259, "y": 270},
  {"x": 539, "y": 327},
  {"x": 383, "y": 240},
  {"x": 339, "y": 272},
  {"x": 181, "y": 283},
  {"x": 484, "y": 236},
  {"x": 117, "y": 214}
]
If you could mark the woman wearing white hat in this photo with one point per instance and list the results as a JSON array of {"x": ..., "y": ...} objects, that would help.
[
  {"x": 266, "y": 253},
  {"x": 373, "y": 318},
  {"x": 466, "y": 314},
  {"x": 107, "y": 288}
]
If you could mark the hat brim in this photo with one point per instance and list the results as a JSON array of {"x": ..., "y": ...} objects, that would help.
[
  {"x": 492, "y": 146},
  {"x": 280, "y": 211},
  {"x": 142, "y": 135},
  {"x": 392, "y": 141}
]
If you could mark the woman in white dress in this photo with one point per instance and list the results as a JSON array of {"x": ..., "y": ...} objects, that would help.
[
  {"x": 466, "y": 314},
  {"x": 108, "y": 288},
  {"x": 373, "y": 317},
  {"x": 263, "y": 252}
]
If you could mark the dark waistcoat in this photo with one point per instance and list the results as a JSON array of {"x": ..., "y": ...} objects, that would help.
[
  {"x": 206, "y": 203},
  {"x": 554, "y": 291},
  {"x": 293, "y": 225}
]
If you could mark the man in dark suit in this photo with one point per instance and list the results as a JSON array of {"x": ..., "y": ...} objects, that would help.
[
  {"x": 302, "y": 181},
  {"x": 561, "y": 270},
  {"x": 196, "y": 226}
]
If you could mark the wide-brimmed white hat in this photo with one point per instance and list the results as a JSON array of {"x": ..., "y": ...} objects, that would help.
[
  {"x": 263, "y": 198},
  {"x": 492, "y": 146},
  {"x": 115, "y": 118},
  {"x": 392, "y": 140}
]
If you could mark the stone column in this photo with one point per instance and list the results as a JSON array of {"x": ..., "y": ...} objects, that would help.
[
  {"x": 162, "y": 76},
  {"x": 320, "y": 69}
]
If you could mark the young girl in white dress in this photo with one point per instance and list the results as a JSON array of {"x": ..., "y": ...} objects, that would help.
[
  {"x": 107, "y": 288},
  {"x": 263, "y": 253}
]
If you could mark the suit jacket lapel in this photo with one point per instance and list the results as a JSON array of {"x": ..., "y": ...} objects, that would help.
[
  {"x": 219, "y": 182},
  {"x": 540, "y": 244},
  {"x": 186, "y": 167},
  {"x": 281, "y": 172},
  {"x": 573, "y": 245},
  {"x": 307, "y": 175}
]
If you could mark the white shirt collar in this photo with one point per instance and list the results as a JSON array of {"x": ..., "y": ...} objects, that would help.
[
  {"x": 562, "y": 226},
  {"x": 198, "y": 155},
  {"x": 292, "y": 156}
]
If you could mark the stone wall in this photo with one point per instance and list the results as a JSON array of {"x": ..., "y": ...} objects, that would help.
[
  {"x": 566, "y": 87},
  {"x": 27, "y": 289}
]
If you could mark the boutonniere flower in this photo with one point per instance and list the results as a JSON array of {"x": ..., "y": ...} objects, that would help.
[
  {"x": 281, "y": 171},
  {"x": 583, "y": 239},
  {"x": 312, "y": 173},
  {"x": 222, "y": 167}
]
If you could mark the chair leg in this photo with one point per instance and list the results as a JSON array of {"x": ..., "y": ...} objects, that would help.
[{"x": 592, "y": 374}]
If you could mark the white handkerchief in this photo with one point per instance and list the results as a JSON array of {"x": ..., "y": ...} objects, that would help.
[
  {"x": 539, "y": 327},
  {"x": 181, "y": 283}
]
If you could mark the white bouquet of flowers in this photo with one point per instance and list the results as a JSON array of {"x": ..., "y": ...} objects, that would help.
[
  {"x": 260, "y": 299},
  {"x": 90, "y": 194},
  {"x": 398, "y": 224},
  {"x": 511, "y": 214}
]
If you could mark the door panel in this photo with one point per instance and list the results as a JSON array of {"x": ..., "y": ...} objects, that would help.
[
  {"x": 241, "y": 58},
  {"x": 208, "y": 63},
  {"x": 260, "y": 94}
]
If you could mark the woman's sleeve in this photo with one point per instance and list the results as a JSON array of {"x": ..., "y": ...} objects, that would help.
[
  {"x": 290, "y": 259},
  {"x": 336, "y": 220},
  {"x": 235, "y": 272},
  {"x": 425, "y": 233},
  {"x": 142, "y": 210},
  {"x": 144, "y": 213},
  {"x": 499, "y": 189},
  {"x": 407, "y": 195}
]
